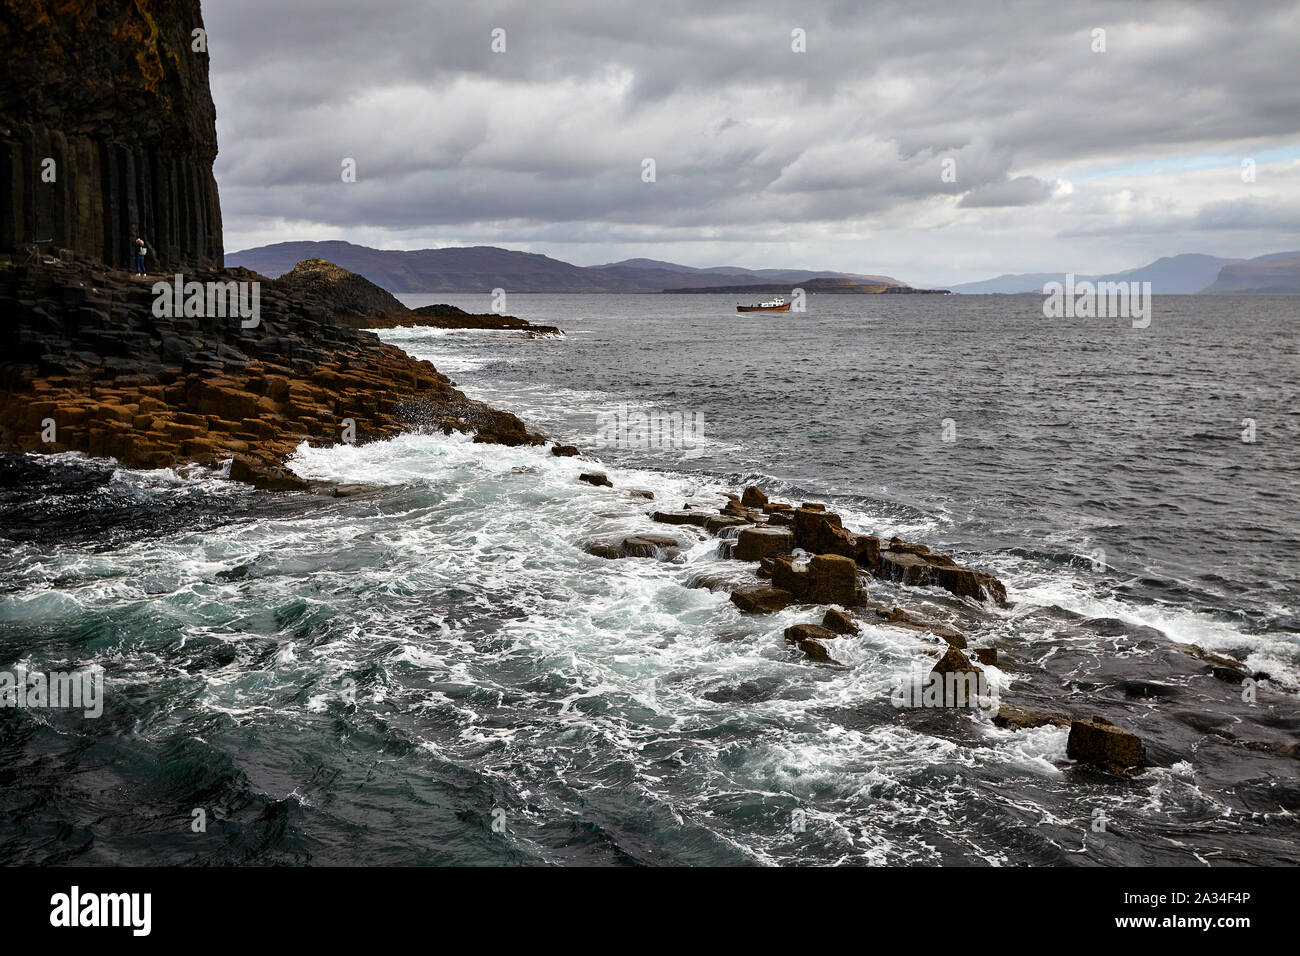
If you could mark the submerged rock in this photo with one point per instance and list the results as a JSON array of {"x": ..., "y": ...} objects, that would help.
[
  {"x": 811, "y": 639},
  {"x": 1024, "y": 718},
  {"x": 328, "y": 489}
]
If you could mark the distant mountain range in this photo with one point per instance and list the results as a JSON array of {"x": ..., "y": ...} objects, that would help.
[
  {"x": 484, "y": 268},
  {"x": 1189, "y": 273}
]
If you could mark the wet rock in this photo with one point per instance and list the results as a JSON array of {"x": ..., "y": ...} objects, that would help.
[
  {"x": 821, "y": 532},
  {"x": 717, "y": 579},
  {"x": 960, "y": 679},
  {"x": 839, "y": 622},
  {"x": 753, "y": 498},
  {"x": 754, "y": 544},
  {"x": 1145, "y": 689},
  {"x": 652, "y": 546},
  {"x": 564, "y": 451},
  {"x": 1226, "y": 669},
  {"x": 1024, "y": 718},
  {"x": 1102, "y": 744},
  {"x": 216, "y": 389},
  {"x": 987, "y": 655},
  {"x": 916, "y": 566},
  {"x": 264, "y": 476},
  {"x": 697, "y": 518},
  {"x": 828, "y": 579},
  {"x": 898, "y": 617},
  {"x": 597, "y": 478},
  {"x": 330, "y": 490},
  {"x": 811, "y": 639},
  {"x": 444, "y": 316},
  {"x": 663, "y": 547},
  {"x": 955, "y": 662},
  {"x": 760, "y": 599},
  {"x": 644, "y": 493},
  {"x": 715, "y": 524}
]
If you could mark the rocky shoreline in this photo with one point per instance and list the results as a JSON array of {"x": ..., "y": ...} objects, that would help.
[
  {"x": 800, "y": 556},
  {"x": 92, "y": 369}
]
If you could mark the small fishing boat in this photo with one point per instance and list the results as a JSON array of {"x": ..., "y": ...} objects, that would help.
[{"x": 771, "y": 305}]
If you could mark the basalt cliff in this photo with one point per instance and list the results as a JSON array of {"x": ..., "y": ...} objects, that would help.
[{"x": 107, "y": 131}]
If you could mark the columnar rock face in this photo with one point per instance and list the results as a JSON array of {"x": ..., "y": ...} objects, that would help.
[{"x": 107, "y": 131}]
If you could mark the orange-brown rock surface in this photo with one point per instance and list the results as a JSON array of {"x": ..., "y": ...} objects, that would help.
[{"x": 92, "y": 369}]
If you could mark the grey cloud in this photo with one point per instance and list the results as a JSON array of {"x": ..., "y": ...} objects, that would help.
[
  {"x": 549, "y": 136},
  {"x": 1021, "y": 191}
]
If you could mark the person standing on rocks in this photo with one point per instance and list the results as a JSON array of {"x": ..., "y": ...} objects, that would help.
[{"x": 140, "y": 253}]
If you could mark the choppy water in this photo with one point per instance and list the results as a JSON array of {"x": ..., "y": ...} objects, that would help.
[{"x": 380, "y": 679}]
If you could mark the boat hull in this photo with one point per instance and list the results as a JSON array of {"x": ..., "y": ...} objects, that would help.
[{"x": 763, "y": 308}]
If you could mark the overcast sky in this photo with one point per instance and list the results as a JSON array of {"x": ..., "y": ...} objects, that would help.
[{"x": 1064, "y": 158}]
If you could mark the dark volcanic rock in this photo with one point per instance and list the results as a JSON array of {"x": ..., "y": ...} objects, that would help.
[
  {"x": 349, "y": 298},
  {"x": 117, "y": 96},
  {"x": 900, "y": 618},
  {"x": 113, "y": 92},
  {"x": 451, "y": 317},
  {"x": 87, "y": 354},
  {"x": 955, "y": 662},
  {"x": 960, "y": 678}
]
